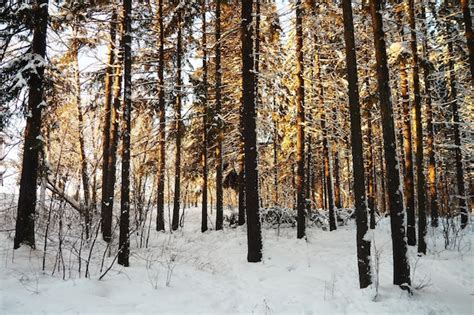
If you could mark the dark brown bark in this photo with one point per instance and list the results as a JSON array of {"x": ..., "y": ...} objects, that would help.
[
  {"x": 370, "y": 169},
  {"x": 327, "y": 176},
  {"x": 107, "y": 124},
  {"x": 300, "y": 121},
  {"x": 82, "y": 148},
  {"x": 466, "y": 13},
  {"x": 363, "y": 245},
  {"x": 204, "y": 120},
  {"x": 408, "y": 178},
  {"x": 418, "y": 134},
  {"x": 25, "y": 220},
  {"x": 432, "y": 188},
  {"x": 401, "y": 268},
  {"x": 124, "y": 237},
  {"x": 456, "y": 121},
  {"x": 220, "y": 125},
  {"x": 179, "y": 83},
  {"x": 108, "y": 205},
  {"x": 160, "y": 217},
  {"x": 254, "y": 234}
]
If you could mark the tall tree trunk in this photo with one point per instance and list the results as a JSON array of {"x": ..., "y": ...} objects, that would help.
[
  {"x": 456, "y": 121},
  {"x": 160, "y": 217},
  {"x": 300, "y": 121},
  {"x": 108, "y": 205},
  {"x": 220, "y": 125},
  {"x": 25, "y": 221},
  {"x": 370, "y": 168},
  {"x": 327, "y": 181},
  {"x": 336, "y": 160},
  {"x": 466, "y": 13},
  {"x": 363, "y": 245},
  {"x": 432, "y": 188},
  {"x": 106, "y": 131},
  {"x": 82, "y": 149},
  {"x": 408, "y": 178},
  {"x": 418, "y": 134},
  {"x": 328, "y": 174},
  {"x": 124, "y": 238},
  {"x": 254, "y": 233},
  {"x": 204, "y": 120},
  {"x": 401, "y": 268},
  {"x": 179, "y": 83}
]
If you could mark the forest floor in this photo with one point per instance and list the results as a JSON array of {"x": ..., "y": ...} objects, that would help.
[{"x": 191, "y": 272}]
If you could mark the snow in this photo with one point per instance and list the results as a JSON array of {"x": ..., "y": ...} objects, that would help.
[{"x": 191, "y": 272}]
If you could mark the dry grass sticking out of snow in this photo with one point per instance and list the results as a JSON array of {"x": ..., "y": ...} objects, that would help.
[{"x": 191, "y": 272}]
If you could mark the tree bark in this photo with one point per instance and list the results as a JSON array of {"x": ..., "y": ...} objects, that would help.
[
  {"x": 466, "y": 13},
  {"x": 220, "y": 125},
  {"x": 179, "y": 83},
  {"x": 254, "y": 234},
  {"x": 106, "y": 131},
  {"x": 363, "y": 245},
  {"x": 418, "y": 139},
  {"x": 160, "y": 218},
  {"x": 401, "y": 268},
  {"x": 456, "y": 121},
  {"x": 25, "y": 221},
  {"x": 124, "y": 237},
  {"x": 204, "y": 120},
  {"x": 300, "y": 121},
  {"x": 108, "y": 205},
  {"x": 432, "y": 188}
]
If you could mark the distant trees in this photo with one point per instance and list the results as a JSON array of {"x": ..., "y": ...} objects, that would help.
[{"x": 252, "y": 117}]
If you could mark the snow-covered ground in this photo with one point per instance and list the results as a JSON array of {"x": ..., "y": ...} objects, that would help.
[{"x": 191, "y": 272}]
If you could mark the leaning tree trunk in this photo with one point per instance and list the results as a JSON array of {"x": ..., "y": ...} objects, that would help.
[
  {"x": 204, "y": 121},
  {"x": 300, "y": 121},
  {"x": 254, "y": 233},
  {"x": 106, "y": 131},
  {"x": 25, "y": 221},
  {"x": 418, "y": 134},
  {"x": 179, "y": 83},
  {"x": 220, "y": 125},
  {"x": 124, "y": 238},
  {"x": 363, "y": 245},
  {"x": 160, "y": 217},
  {"x": 401, "y": 268}
]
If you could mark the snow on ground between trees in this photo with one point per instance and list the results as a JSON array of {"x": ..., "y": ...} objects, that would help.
[{"x": 190, "y": 272}]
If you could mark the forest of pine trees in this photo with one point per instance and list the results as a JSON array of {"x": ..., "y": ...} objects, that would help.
[{"x": 300, "y": 114}]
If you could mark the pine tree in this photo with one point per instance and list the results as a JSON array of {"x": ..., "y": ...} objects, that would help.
[
  {"x": 204, "y": 121},
  {"x": 363, "y": 245},
  {"x": 107, "y": 127},
  {"x": 25, "y": 221},
  {"x": 401, "y": 268},
  {"x": 220, "y": 133},
  {"x": 300, "y": 121},
  {"x": 124, "y": 238},
  {"x": 254, "y": 234},
  {"x": 160, "y": 219}
]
